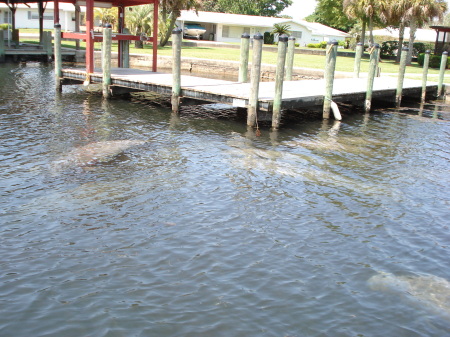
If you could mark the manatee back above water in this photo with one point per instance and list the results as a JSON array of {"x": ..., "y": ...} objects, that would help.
[{"x": 430, "y": 290}]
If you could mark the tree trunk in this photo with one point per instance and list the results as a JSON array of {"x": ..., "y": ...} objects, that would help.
[
  {"x": 168, "y": 33},
  {"x": 412, "y": 37},
  {"x": 371, "y": 30},
  {"x": 401, "y": 33},
  {"x": 363, "y": 33}
]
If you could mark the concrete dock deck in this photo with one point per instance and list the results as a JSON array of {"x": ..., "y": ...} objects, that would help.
[{"x": 296, "y": 94}]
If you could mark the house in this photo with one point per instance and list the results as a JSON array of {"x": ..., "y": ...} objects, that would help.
[
  {"x": 27, "y": 16},
  {"x": 422, "y": 35},
  {"x": 223, "y": 27}
]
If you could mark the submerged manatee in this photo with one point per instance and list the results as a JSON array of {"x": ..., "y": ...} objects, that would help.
[
  {"x": 93, "y": 153},
  {"x": 431, "y": 291}
]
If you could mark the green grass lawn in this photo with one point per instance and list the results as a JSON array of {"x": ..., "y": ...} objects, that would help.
[{"x": 345, "y": 64}]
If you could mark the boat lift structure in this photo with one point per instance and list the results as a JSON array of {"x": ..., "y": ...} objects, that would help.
[{"x": 89, "y": 35}]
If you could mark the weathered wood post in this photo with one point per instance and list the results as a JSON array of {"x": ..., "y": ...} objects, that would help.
[
  {"x": 426, "y": 62},
  {"x": 2, "y": 46},
  {"x": 401, "y": 76},
  {"x": 254, "y": 79},
  {"x": 126, "y": 50},
  {"x": 58, "y": 57},
  {"x": 358, "y": 54},
  {"x": 330, "y": 67},
  {"x": 444, "y": 57},
  {"x": 106, "y": 60},
  {"x": 373, "y": 67},
  {"x": 290, "y": 58},
  {"x": 48, "y": 45},
  {"x": 279, "y": 77},
  {"x": 243, "y": 66},
  {"x": 176, "y": 69}
]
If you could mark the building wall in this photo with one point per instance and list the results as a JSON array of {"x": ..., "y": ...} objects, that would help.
[{"x": 29, "y": 18}]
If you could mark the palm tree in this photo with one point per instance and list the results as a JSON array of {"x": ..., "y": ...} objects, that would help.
[
  {"x": 280, "y": 28},
  {"x": 418, "y": 13},
  {"x": 391, "y": 13},
  {"x": 170, "y": 11},
  {"x": 106, "y": 15},
  {"x": 138, "y": 20},
  {"x": 364, "y": 10}
]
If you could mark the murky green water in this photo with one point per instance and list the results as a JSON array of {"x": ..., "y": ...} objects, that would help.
[{"x": 207, "y": 230}]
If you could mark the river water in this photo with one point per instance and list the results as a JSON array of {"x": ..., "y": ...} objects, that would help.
[{"x": 207, "y": 230}]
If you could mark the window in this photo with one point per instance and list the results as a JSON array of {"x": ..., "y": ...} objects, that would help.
[
  {"x": 297, "y": 35},
  {"x": 246, "y": 30},
  {"x": 225, "y": 31},
  {"x": 35, "y": 16}
]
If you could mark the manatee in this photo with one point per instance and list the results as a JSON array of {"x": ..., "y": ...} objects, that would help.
[
  {"x": 93, "y": 153},
  {"x": 430, "y": 291}
]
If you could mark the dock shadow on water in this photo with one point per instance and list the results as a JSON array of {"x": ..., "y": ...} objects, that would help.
[{"x": 165, "y": 225}]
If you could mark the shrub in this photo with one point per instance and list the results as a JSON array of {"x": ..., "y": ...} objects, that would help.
[
  {"x": 435, "y": 61},
  {"x": 269, "y": 38},
  {"x": 389, "y": 48},
  {"x": 5, "y": 26}
]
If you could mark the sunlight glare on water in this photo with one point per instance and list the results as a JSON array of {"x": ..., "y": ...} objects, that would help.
[{"x": 200, "y": 228}]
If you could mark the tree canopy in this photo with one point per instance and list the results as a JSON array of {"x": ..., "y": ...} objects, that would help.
[
  {"x": 248, "y": 7},
  {"x": 330, "y": 13}
]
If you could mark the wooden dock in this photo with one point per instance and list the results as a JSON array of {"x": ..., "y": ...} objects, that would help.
[{"x": 296, "y": 94}]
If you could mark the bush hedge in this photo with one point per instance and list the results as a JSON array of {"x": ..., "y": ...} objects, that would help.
[
  {"x": 323, "y": 44},
  {"x": 435, "y": 61},
  {"x": 5, "y": 26},
  {"x": 389, "y": 48}
]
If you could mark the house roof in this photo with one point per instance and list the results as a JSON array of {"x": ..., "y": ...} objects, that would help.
[
  {"x": 425, "y": 35},
  {"x": 256, "y": 21}
]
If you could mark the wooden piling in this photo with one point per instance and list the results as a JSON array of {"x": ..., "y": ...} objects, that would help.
[
  {"x": 373, "y": 67},
  {"x": 401, "y": 76},
  {"x": 290, "y": 58},
  {"x": 426, "y": 62},
  {"x": 106, "y": 60},
  {"x": 279, "y": 76},
  {"x": 330, "y": 67},
  {"x": 358, "y": 55},
  {"x": 126, "y": 50},
  {"x": 176, "y": 69},
  {"x": 58, "y": 57},
  {"x": 243, "y": 66},
  {"x": 444, "y": 57},
  {"x": 48, "y": 45},
  {"x": 2, "y": 46},
  {"x": 254, "y": 79}
]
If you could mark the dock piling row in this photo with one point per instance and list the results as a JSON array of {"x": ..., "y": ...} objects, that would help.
[
  {"x": 426, "y": 62},
  {"x": 358, "y": 54},
  {"x": 290, "y": 58},
  {"x": 279, "y": 77},
  {"x": 125, "y": 50},
  {"x": 176, "y": 69},
  {"x": 444, "y": 57},
  {"x": 2, "y": 46},
  {"x": 243, "y": 66},
  {"x": 106, "y": 60},
  {"x": 329, "y": 77},
  {"x": 254, "y": 79},
  {"x": 401, "y": 76},
  {"x": 373, "y": 67},
  {"x": 58, "y": 57}
]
